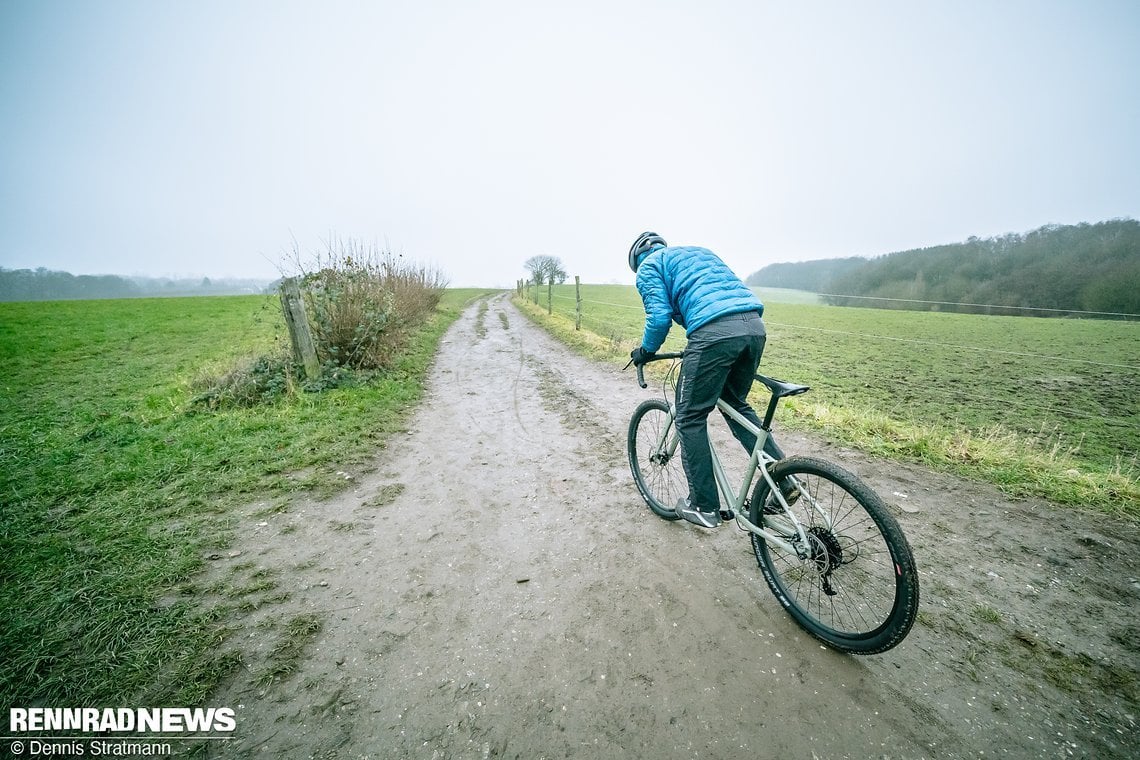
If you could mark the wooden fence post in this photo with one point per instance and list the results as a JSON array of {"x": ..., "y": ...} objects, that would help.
[
  {"x": 550, "y": 296},
  {"x": 298, "y": 322},
  {"x": 578, "y": 303}
]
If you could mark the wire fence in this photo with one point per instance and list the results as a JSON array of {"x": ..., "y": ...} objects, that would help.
[
  {"x": 895, "y": 338},
  {"x": 986, "y": 308},
  {"x": 1076, "y": 411}
]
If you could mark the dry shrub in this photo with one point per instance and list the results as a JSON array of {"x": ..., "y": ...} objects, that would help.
[{"x": 363, "y": 303}]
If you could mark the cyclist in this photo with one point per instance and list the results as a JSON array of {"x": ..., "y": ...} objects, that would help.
[{"x": 722, "y": 318}]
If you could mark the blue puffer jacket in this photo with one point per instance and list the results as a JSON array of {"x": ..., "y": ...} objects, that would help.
[{"x": 690, "y": 286}]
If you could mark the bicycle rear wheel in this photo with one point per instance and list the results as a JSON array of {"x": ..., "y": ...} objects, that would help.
[
  {"x": 655, "y": 458},
  {"x": 857, "y": 588}
]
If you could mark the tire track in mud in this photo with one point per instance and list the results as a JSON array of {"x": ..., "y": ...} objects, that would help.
[{"x": 503, "y": 592}]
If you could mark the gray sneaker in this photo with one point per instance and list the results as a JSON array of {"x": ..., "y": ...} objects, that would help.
[
  {"x": 790, "y": 491},
  {"x": 696, "y": 516},
  {"x": 791, "y": 494}
]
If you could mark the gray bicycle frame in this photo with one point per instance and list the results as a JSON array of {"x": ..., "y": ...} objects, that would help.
[{"x": 786, "y": 524}]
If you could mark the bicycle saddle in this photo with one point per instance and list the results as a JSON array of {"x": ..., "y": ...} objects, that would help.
[{"x": 780, "y": 389}]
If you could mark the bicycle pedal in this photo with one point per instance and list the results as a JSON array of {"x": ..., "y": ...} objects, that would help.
[{"x": 727, "y": 515}]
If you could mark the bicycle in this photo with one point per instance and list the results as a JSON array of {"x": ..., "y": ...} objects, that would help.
[{"x": 827, "y": 546}]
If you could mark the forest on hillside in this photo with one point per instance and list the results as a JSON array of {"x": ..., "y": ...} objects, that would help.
[
  {"x": 1055, "y": 268},
  {"x": 804, "y": 275},
  {"x": 47, "y": 285}
]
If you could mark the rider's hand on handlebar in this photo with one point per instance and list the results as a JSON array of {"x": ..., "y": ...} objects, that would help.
[{"x": 640, "y": 356}]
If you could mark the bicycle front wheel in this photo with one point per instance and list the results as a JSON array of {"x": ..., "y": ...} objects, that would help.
[
  {"x": 655, "y": 458},
  {"x": 853, "y": 585}
]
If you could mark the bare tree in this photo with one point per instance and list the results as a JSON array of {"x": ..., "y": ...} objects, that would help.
[{"x": 545, "y": 270}]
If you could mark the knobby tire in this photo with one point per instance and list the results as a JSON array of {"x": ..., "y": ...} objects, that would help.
[
  {"x": 659, "y": 477},
  {"x": 863, "y": 560}
]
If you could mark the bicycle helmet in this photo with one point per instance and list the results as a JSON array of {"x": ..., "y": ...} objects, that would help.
[{"x": 645, "y": 241}]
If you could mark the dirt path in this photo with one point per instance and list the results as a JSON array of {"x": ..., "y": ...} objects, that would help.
[{"x": 496, "y": 588}]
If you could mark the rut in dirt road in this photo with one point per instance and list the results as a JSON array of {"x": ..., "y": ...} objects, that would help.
[{"x": 496, "y": 588}]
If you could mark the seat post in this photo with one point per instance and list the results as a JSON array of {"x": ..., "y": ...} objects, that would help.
[{"x": 767, "y": 423}]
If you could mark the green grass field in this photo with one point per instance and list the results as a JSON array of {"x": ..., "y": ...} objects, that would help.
[
  {"x": 115, "y": 485},
  {"x": 1039, "y": 406}
]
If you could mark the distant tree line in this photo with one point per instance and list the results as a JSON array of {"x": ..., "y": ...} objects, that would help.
[
  {"x": 804, "y": 275},
  {"x": 1083, "y": 267},
  {"x": 45, "y": 285}
]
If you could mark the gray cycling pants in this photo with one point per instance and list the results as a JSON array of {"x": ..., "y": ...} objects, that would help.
[{"x": 720, "y": 362}]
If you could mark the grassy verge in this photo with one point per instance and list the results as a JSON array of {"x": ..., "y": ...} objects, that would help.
[
  {"x": 936, "y": 427},
  {"x": 114, "y": 486}
]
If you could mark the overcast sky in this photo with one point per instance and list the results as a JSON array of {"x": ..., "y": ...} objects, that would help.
[{"x": 204, "y": 138}]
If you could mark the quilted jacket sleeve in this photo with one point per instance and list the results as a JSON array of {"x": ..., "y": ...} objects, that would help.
[{"x": 652, "y": 286}]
